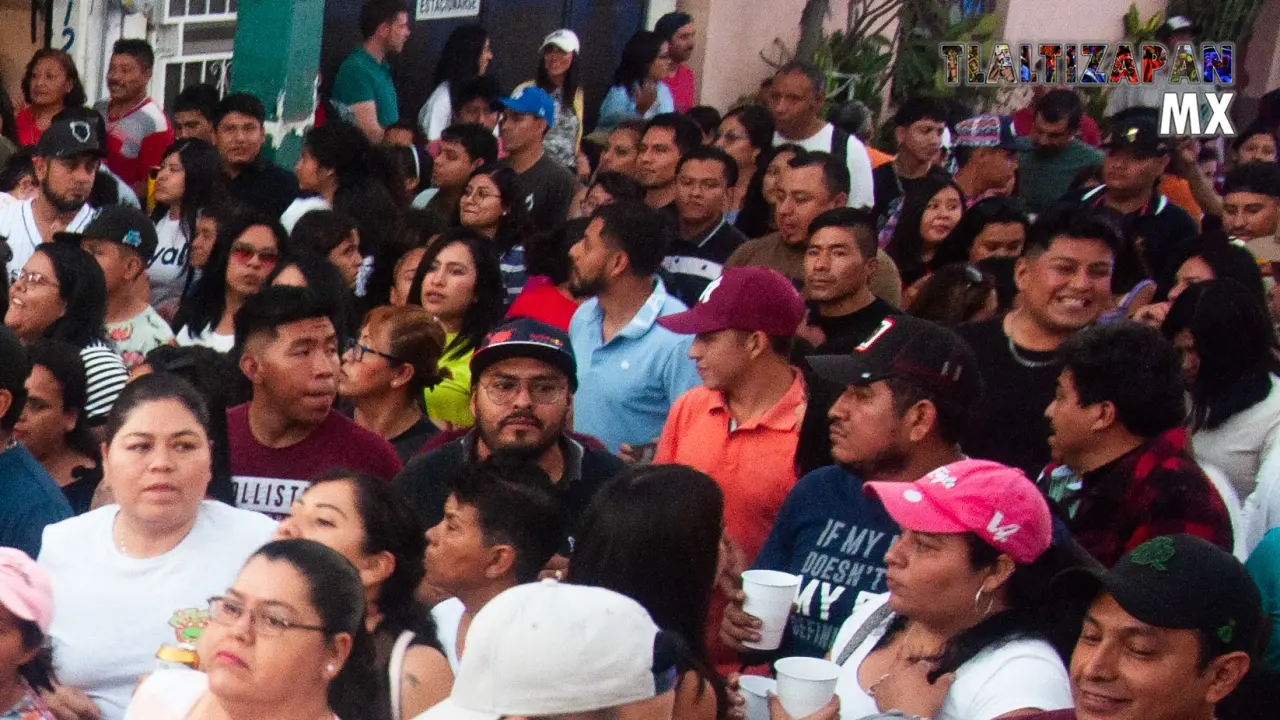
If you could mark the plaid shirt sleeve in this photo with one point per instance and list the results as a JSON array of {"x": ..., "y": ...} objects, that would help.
[{"x": 1173, "y": 497}]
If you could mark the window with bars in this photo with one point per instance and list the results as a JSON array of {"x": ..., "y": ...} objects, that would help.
[
  {"x": 196, "y": 9},
  {"x": 194, "y": 42}
]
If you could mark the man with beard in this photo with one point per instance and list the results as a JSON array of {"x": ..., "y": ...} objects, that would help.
[
  {"x": 1057, "y": 153},
  {"x": 630, "y": 368},
  {"x": 363, "y": 91},
  {"x": 66, "y": 162},
  {"x": 907, "y": 394},
  {"x": 524, "y": 377},
  {"x": 289, "y": 432}
]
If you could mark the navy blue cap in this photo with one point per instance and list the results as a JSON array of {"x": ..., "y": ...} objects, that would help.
[{"x": 527, "y": 339}]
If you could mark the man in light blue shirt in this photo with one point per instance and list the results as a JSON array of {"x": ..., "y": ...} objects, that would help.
[{"x": 630, "y": 369}]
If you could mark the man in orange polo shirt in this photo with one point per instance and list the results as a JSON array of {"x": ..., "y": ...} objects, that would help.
[{"x": 741, "y": 426}]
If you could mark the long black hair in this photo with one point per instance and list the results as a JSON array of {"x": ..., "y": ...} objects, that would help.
[
  {"x": 336, "y": 593},
  {"x": 515, "y": 226},
  {"x": 1235, "y": 343},
  {"x": 391, "y": 526},
  {"x": 202, "y": 184},
  {"x": 83, "y": 289},
  {"x": 460, "y": 56},
  {"x": 992, "y": 211},
  {"x": 324, "y": 279},
  {"x": 203, "y": 308},
  {"x": 638, "y": 55},
  {"x": 1033, "y": 610},
  {"x": 572, "y": 79},
  {"x": 653, "y": 534},
  {"x": 907, "y": 242},
  {"x": 490, "y": 300},
  {"x": 370, "y": 191},
  {"x": 1227, "y": 260},
  {"x": 755, "y": 218}
]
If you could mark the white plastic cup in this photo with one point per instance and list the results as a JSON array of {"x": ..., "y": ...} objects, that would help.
[
  {"x": 755, "y": 690},
  {"x": 805, "y": 684},
  {"x": 770, "y": 596}
]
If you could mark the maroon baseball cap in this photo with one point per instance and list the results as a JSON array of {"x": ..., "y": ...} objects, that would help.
[{"x": 754, "y": 299}]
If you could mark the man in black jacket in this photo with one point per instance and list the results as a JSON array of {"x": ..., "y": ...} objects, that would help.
[{"x": 523, "y": 379}]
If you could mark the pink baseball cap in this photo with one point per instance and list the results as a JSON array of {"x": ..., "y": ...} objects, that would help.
[
  {"x": 25, "y": 588},
  {"x": 995, "y": 501}
]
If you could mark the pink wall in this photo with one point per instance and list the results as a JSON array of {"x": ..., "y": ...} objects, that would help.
[
  {"x": 1070, "y": 20},
  {"x": 731, "y": 36}
]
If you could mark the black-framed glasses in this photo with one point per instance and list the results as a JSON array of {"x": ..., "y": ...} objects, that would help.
[
  {"x": 226, "y": 611},
  {"x": 503, "y": 390},
  {"x": 358, "y": 352}
]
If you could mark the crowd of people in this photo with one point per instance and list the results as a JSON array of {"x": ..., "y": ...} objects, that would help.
[{"x": 484, "y": 413}]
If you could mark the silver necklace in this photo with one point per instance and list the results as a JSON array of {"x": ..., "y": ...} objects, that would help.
[{"x": 1024, "y": 362}]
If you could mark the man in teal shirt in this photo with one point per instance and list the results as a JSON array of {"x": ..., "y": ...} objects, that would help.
[
  {"x": 363, "y": 93},
  {"x": 1054, "y": 155}
]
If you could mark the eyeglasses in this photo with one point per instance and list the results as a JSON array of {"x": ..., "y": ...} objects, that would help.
[
  {"x": 28, "y": 277},
  {"x": 358, "y": 352},
  {"x": 244, "y": 252},
  {"x": 226, "y": 611},
  {"x": 503, "y": 390}
]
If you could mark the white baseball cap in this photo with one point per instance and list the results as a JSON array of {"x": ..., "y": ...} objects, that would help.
[
  {"x": 550, "y": 648},
  {"x": 566, "y": 40}
]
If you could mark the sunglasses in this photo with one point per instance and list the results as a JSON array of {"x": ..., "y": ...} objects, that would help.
[{"x": 243, "y": 253}]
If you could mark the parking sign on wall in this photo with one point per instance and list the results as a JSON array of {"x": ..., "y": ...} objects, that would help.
[{"x": 441, "y": 9}]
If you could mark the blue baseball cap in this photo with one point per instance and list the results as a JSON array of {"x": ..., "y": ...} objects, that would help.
[{"x": 532, "y": 100}]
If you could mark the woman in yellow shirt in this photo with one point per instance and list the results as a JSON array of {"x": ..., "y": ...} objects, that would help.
[
  {"x": 559, "y": 75},
  {"x": 459, "y": 282}
]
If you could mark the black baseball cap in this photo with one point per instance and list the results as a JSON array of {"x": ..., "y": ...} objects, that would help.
[
  {"x": 525, "y": 338},
  {"x": 909, "y": 347},
  {"x": 1139, "y": 135},
  {"x": 1181, "y": 582},
  {"x": 119, "y": 224},
  {"x": 67, "y": 138}
]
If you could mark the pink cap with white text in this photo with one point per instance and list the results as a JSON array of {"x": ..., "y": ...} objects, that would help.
[{"x": 996, "y": 502}]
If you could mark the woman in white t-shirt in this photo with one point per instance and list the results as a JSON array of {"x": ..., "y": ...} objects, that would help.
[
  {"x": 372, "y": 525},
  {"x": 286, "y": 639},
  {"x": 132, "y": 577},
  {"x": 967, "y": 605},
  {"x": 466, "y": 54},
  {"x": 244, "y": 254},
  {"x": 189, "y": 179}
]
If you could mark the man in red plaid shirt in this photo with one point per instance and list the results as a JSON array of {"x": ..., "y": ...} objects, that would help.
[{"x": 1122, "y": 473}]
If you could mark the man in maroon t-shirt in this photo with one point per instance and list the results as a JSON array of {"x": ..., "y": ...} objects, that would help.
[{"x": 289, "y": 433}]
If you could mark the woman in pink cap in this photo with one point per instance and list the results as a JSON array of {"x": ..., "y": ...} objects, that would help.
[
  {"x": 26, "y": 663},
  {"x": 966, "y": 631}
]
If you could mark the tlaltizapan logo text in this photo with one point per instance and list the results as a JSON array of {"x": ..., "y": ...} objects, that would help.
[{"x": 1194, "y": 80}]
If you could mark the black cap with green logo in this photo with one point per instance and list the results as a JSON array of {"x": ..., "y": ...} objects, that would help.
[{"x": 1187, "y": 583}]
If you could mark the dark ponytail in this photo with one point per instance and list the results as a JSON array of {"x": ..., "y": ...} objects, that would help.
[{"x": 335, "y": 591}]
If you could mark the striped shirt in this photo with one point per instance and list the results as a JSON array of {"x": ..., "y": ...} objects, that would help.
[
  {"x": 136, "y": 141},
  {"x": 105, "y": 377},
  {"x": 513, "y": 273}
]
